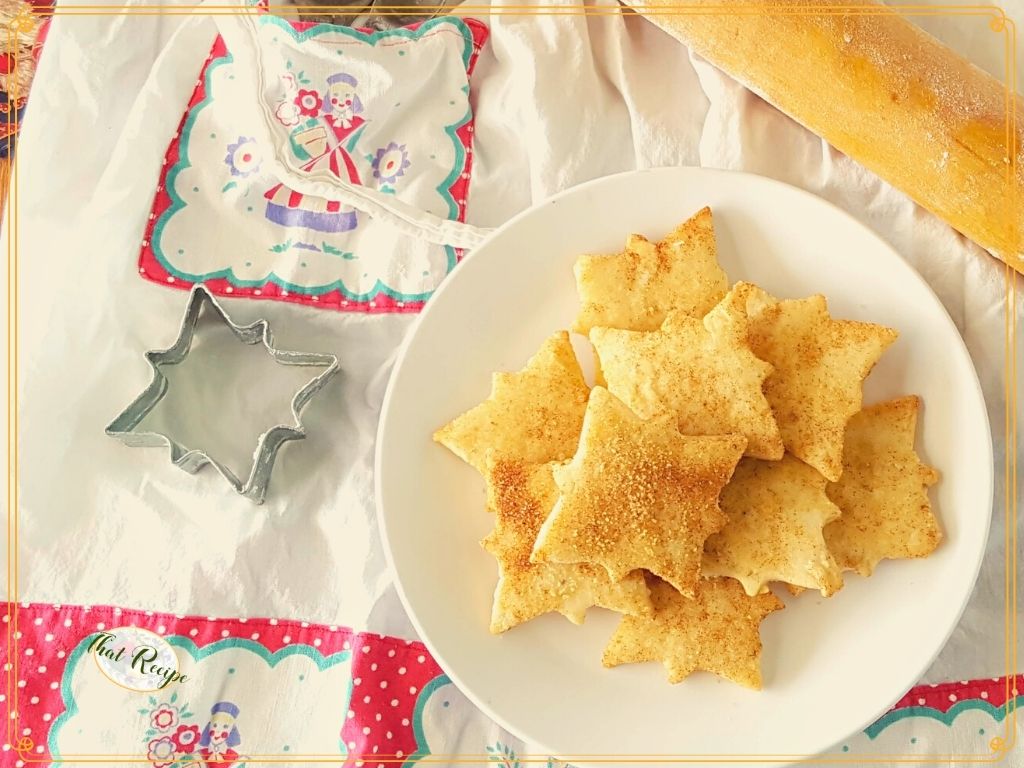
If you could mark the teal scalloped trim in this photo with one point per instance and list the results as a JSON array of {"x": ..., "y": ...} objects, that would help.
[
  {"x": 872, "y": 731},
  {"x": 373, "y": 37},
  {"x": 946, "y": 718},
  {"x": 198, "y": 654},
  {"x": 379, "y": 288},
  {"x": 422, "y": 748}
]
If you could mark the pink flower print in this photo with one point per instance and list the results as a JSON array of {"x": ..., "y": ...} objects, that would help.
[
  {"x": 161, "y": 752},
  {"x": 287, "y": 113},
  {"x": 308, "y": 102},
  {"x": 164, "y": 717},
  {"x": 186, "y": 737}
]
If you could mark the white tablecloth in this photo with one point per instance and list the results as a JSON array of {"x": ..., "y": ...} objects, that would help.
[{"x": 558, "y": 101}]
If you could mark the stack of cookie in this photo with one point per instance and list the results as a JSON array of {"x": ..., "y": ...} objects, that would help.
[{"x": 723, "y": 448}]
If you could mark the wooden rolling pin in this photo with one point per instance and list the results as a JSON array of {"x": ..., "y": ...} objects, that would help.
[{"x": 882, "y": 91}]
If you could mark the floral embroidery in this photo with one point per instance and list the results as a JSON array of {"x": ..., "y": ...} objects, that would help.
[
  {"x": 172, "y": 749},
  {"x": 164, "y": 718},
  {"x": 185, "y": 737},
  {"x": 504, "y": 756},
  {"x": 161, "y": 752},
  {"x": 243, "y": 158},
  {"x": 308, "y": 102},
  {"x": 390, "y": 163},
  {"x": 287, "y": 113},
  {"x": 214, "y": 745}
]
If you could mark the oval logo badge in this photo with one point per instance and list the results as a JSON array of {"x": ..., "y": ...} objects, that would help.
[{"x": 136, "y": 659}]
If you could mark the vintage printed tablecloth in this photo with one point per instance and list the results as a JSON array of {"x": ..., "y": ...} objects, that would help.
[
  {"x": 109, "y": 536},
  {"x": 358, "y": 696}
]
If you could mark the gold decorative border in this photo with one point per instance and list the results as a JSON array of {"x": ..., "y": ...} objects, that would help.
[{"x": 998, "y": 22}]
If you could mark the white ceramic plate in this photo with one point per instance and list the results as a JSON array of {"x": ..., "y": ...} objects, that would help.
[{"x": 830, "y": 666}]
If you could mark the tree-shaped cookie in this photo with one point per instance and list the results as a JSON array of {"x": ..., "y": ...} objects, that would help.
[
  {"x": 776, "y": 512},
  {"x": 883, "y": 491},
  {"x": 534, "y": 415},
  {"x": 637, "y": 288},
  {"x": 703, "y": 372},
  {"x": 819, "y": 368},
  {"x": 637, "y": 494},
  {"x": 717, "y": 631},
  {"x": 521, "y": 496}
]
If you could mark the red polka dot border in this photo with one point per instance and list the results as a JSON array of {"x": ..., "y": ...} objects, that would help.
[{"x": 388, "y": 673}]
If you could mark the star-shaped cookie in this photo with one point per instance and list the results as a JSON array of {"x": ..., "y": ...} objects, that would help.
[
  {"x": 521, "y": 496},
  {"x": 703, "y": 372},
  {"x": 637, "y": 494},
  {"x": 637, "y": 288},
  {"x": 819, "y": 368},
  {"x": 534, "y": 415},
  {"x": 776, "y": 512},
  {"x": 883, "y": 491},
  {"x": 717, "y": 631}
]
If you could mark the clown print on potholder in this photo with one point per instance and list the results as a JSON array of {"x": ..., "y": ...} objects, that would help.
[{"x": 385, "y": 110}]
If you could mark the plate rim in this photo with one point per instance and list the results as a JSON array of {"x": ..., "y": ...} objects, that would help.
[{"x": 413, "y": 331}]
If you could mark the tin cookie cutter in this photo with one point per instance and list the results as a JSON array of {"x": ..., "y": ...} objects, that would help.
[{"x": 254, "y": 487}]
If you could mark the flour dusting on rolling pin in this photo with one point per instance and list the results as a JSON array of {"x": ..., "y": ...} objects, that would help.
[{"x": 882, "y": 91}]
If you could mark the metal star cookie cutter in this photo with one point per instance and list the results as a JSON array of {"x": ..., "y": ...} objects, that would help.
[{"x": 254, "y": 487}]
